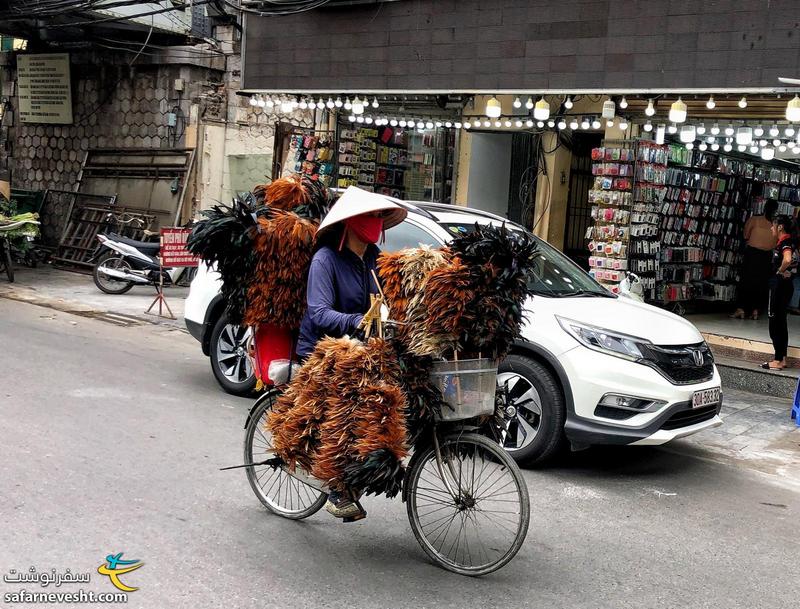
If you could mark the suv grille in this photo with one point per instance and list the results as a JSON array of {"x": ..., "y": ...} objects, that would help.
[
  {"x": 678, "y": 363},
  {"x": 692, "y": 416}
]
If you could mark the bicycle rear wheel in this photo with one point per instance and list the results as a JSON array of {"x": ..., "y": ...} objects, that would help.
[
  {"x": 482, "y": 525},
  {"x": 281, "y": 493}
]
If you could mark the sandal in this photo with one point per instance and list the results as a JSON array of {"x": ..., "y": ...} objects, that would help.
[
  {"x": 769, "y": 366},
  {"x": 345, "y": 507}
]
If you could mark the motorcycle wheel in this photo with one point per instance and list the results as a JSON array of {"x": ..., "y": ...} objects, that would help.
[
  {"x": 106, "y": 284},
  {"x": 6, "y": 260}
]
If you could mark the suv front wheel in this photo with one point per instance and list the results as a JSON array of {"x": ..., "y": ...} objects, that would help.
[
  {"x": 229, "y": 360},
  {"x": 536, "y": 434}
]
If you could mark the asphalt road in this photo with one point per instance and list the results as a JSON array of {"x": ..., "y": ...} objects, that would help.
[{"x": 112, "y": 440}]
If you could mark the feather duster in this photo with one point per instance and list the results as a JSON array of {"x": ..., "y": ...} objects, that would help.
[
  {"x": 404, "y": 275},
  {"x": 300, "y": 194},
  {"x": 224, "y": 239},
  {"x": 343, "y": 416},
  {"x": 502, "y": 262},
  {"x": 445, "y": 308},
  {"x": 284, "y": 246}
]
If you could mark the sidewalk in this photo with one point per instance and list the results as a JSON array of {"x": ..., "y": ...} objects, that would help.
[
  {"x": 76, "y": 293},
  {"x": 758, "y": 432}
]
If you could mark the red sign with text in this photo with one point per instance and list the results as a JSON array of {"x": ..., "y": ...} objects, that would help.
[{"x": 173, "y": 248}]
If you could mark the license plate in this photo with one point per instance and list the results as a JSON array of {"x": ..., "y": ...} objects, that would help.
[{"x": 706, "y": 397}]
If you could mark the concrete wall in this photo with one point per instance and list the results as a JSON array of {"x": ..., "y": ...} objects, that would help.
[
  {"x": 530, "y": 44},
  {"x": 489, "y": 171}
]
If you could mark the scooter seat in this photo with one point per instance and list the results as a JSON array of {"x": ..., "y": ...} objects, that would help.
[{"x": 146, "y": 247}]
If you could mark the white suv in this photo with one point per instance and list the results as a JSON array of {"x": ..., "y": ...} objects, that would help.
[{"x": 592, "y": 368}]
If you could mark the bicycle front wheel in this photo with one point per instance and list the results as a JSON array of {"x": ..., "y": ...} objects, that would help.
[
  {"x": 482, "y": 524},
  {"x": 280, "y": 492}
]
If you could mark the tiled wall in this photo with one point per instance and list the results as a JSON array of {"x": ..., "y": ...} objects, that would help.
[{"x": 527, "y": 44}]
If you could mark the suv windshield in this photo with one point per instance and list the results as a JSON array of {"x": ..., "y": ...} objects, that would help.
[{"x": 554, "y": 274}]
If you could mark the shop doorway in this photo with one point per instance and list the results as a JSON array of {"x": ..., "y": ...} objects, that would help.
[
  {"x": 489, "y": 171},
  {"x": 579, "y": 209}
]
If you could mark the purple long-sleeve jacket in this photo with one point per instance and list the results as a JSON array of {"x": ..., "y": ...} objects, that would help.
[{"x": 339, "y": 285}]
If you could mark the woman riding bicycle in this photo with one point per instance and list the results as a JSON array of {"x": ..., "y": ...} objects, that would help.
[{"x": 340, "y": 281}]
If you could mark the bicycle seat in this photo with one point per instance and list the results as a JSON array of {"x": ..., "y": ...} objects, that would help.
[{"x": 149, "y": 247}]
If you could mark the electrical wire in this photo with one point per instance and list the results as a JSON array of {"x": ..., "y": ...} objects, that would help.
[
  {"x": 112, "y": 89},
  {"x": 127, "y": 17},
  {"x": 290, "y": 7}
]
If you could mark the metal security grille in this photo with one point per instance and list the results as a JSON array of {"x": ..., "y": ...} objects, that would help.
[{"x": 578, "y": 207}]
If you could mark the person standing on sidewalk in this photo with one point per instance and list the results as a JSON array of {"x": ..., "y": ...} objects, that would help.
[
  {"x": 784, "y": 267},
  {"x": 753, "y": 288}
]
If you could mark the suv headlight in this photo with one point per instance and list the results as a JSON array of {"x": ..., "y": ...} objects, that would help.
[{"x": 605, "y": 341}]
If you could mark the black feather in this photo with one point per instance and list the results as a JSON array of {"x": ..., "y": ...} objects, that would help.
[{"x": 380, "y": 473}]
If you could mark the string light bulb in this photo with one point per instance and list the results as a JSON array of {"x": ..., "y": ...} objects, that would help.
[
  {"x": 303, "y": 105},
  {"x": 517, "y": 103},
  {"x": 493, "y": 108},
  {"x": 689, "y": 145},
  {"x": 701, "y": 129},
  {"x": 774, "y": 131},
  {"x": 338, "y": 103},
  {"x": 330, "y": 104},
  {"x": 727, "y": 147},
  {"x": 743, "y": 102},
  {"x": 768, "y": 153},
  {"x": 261, "y": 103},
  {"x": 529, "y": 123},
  {"x": 358, "y": 106},
  {"x": 529, "y": 104},
  {"x": 793, "y": 110},
  {"x": 729, "y": 130},
  {"x": 541, "y": 111},
  {"x": 596, "y": 124},
  {"x": 562, "y": 124},
  {"x": 711, "y": 104},
  {"x": 673, "y": 129},
  {"x": 677, "y": 111},
  {"x": 651, "y": 109},
  {"x": 648, "y": 126},
  {"x": 573, "y": 124},
  {"x": 758, "y": 131},
  {"x": 789, "y": 131},
  {"x": 715, "y": 129},
  {"x": 568, "y": 103},
  {"x": 347, "y": 104},
  {"x": 375, "y": 103},
  {"x": 623, "y": 103},
  {"x": 623, "y": 125},
  {"x": 253, "y": 101}
]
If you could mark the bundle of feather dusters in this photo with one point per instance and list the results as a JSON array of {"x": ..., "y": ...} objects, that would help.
[
  {"x": 466, "y": 298},
  {"x": 262, "y": 246},
  {"x": 343, "y": 417},
  {"x": 350, "y": 414}
]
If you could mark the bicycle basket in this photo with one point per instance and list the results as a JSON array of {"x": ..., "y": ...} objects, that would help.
[{"x": 468, "y": 387}]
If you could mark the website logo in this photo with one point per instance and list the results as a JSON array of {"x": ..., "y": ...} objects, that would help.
[{"x": 114, "y": 567}]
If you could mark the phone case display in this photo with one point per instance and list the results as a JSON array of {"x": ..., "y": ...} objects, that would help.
[
  {"x": 702, "y": 219},
  {"x": 311, "y": 155},
  {"x": 422, "y": 152},
  {"x": 393, "y": 164},
  {"x": 357, "y": 158},
  {"x": 644, "y": 256},
  {"x": 401, "y": 163},
  {"x": 611, "y": 198}
]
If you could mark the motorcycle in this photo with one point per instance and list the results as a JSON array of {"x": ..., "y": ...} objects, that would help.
[{"x": 123, "y": 263}]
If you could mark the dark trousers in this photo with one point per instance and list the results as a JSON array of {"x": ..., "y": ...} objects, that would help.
[
  {"x": 753, "y": 285},
  {"x": 779, "y": 296}
]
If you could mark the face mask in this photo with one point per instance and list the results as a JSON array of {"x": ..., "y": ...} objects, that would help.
[{"x": 366, "y": 228}]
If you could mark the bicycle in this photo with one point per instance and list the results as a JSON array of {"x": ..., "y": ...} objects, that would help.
[{"x": 466, "y": 499}]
